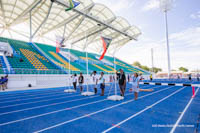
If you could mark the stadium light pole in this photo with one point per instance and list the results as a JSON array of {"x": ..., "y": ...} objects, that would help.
[
  {"x": 165, "y": 6},
  {"x": 152, "y": 63}
]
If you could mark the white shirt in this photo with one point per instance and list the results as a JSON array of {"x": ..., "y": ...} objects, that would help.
[
  {"x": 101, "y": 80},
  {"x": 74, "y": 79},
  {"x": 135, "y": 80},
  {"x": 94, "y": 79}
]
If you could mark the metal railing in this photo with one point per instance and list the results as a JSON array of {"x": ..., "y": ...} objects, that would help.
[{"x": 49, "y": 71}]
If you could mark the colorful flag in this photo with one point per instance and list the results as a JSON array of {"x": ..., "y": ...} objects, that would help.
[
  {"x": 73, "y": 4},
  {"x": 106, "y": 43},
  {"x": 59, "y": 43}
]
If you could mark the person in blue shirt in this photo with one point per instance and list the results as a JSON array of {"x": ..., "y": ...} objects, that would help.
[
  {"x": 5, "y": 82},
  {"x": 2, "y": 83}
]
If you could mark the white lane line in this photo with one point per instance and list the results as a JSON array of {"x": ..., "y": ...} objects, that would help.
[
  {"x": 33, "y": 94},
  {"x": 37, "y": 94},
  {"x": 56, "y": 94},
  {"x": 42, "y": 106},
  {"x": 47, "y": 105},
  {"x": 12, "y": 105},
  {"x": 28, "y": 97},
  {"x": 61, "y": 89},
  {"x": 99, "y": 111},
  {"x": 50, "y": 99},
  {"x": 182, "y": 114},
  {"x": 73, "y": 107},
  {"x": 145, "y": 109}
]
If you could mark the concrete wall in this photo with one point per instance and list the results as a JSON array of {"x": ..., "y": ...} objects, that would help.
[{"x": 21, "y": 82}]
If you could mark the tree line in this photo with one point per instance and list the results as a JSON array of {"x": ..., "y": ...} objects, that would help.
[{"x": 155, "y": 69}]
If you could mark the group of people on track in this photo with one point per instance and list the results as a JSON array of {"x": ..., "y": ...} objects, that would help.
[
  {"x": 3, "y": 82},
  {"x": 120, "y": 77}
]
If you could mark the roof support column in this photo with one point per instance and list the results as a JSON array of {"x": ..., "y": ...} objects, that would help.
[
  {"x": 43, "y": 22},
  {"x": 30, "y": 38},
  {"x": 65, "y": 4},
  {"x": 95, "y": 32},
  {"x": 64, "y": 30}
]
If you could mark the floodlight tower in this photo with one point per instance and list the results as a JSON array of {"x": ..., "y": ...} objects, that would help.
[
  {"x": 152, "y": 63},
  {"x": 165, "y": 6}
]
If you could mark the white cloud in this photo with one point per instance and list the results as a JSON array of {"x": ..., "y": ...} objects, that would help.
[
  {"x": 155, "y": 4},
  {"x": 189, "y": 37},
  {"x": 195, "y": 15},
  {"x": 151, "y": 5},
  {"x": 117, "y": 6},
  {"x": 184, "y": 49}
]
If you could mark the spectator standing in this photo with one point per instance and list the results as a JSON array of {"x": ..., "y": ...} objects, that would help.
[
  {"x": 75, "y": 80},
  {"x": 122, "y": 82},
  {"x": 102, "y": 83},
  {"x": 95, "y": 81},
  {"x": 81, "y": 81}
]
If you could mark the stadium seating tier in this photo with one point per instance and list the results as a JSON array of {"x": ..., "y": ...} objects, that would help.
[{"x": 33, "y": 61}]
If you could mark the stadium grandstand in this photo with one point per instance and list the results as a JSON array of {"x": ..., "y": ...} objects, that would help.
[
  {"x": 80, "y": 31},
  {"x": 58, "y": 56}
]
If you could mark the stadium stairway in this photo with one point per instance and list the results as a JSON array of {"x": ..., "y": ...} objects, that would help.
[
  {"x": 7, "y": 68},
  {"x": 2, "y": 65}
]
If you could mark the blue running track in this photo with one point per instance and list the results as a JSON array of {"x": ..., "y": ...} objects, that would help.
[{"x": 54, "y": 111}]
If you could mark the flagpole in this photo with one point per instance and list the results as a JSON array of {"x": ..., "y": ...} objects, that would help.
[
  {"x": 69, "y": 90},
  {"x": 115, "y": 76},
  {"x": 69, "y": 67},
  {"x": 87, "y": 93},
  {"x": 115, "y": 97},
  {"x": 87, "y": 68},
  {"x": 69, "y": 73}
]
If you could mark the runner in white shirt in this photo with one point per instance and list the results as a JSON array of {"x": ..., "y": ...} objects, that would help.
[
  {"x": 74, "y": 80},
  {"x": 95, "y": 81},
  {"x": 135, "y": 84},
  {"x": 135, "y": 79}
]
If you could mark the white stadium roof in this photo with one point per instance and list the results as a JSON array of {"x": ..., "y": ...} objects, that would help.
[{"x": 88, "y": 21}]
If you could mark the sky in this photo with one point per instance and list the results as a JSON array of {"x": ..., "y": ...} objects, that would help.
[{"x": 184, "y": 32}]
